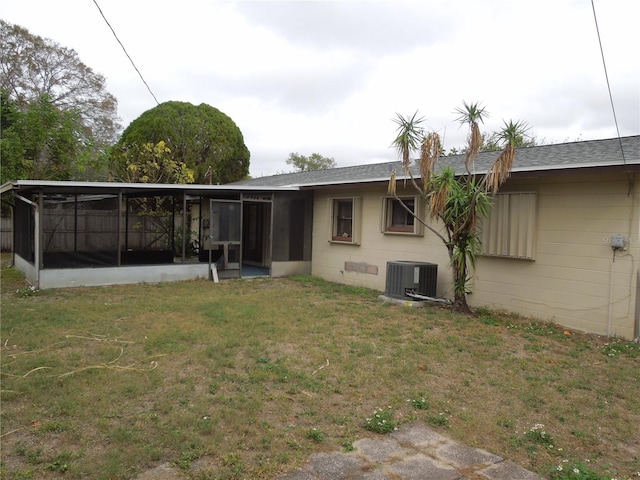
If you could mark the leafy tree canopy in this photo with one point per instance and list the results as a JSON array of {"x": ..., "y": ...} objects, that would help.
[
  {"x": 149, "y": 163},
  {"x": 31, "y": 66},
  {"x": 315, "y": 161},
  {"x": 199, "y": 136},
  {"x": 39, "y": 141}
]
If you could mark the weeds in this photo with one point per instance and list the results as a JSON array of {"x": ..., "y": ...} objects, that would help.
[
  {"x": 315, "y": 435},
  {"x": 221, "y": 376},
  {"x": 620, "y": 347},
  {"x": 439, "y": 420},
  {"x": 187, "y": 455},
  {"x": 61, "y": 463},
  {"x": 419, "y": 403},
  {"x": 538, "y": 435},
  {"x": 576, "y": 471},
  {"x": 26, "y": 291},
  {"x": 381, "y": 421}
]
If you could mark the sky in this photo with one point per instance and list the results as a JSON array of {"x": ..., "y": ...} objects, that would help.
[{"x": 329, "y": 77}]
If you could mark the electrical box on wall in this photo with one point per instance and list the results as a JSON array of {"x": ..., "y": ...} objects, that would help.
[{"x": 618, "y": 241}]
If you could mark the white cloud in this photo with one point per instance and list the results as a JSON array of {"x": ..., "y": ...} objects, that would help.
[{"x": 328, "y": 76}]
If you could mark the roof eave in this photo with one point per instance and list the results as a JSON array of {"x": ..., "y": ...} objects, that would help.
[
  {"x": 17, "y": 184},
  {"x": 7, "y": 187},
  {"x": 634, "y": 163}
]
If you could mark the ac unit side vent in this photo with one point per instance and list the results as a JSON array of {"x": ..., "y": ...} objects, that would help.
[{"x": 405, "y": 277}]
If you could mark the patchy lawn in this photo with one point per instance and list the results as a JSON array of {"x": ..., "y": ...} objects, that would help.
[{"x": 246, "y": 378}]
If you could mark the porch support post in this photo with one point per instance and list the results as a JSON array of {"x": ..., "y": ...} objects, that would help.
[
  {"x": 119, "y": 232},
  {"x": 184, "y": 227},
  {"x": 36, "y": 234},
  {"x": 75, "y": 223},
  {"x": 39, "y": 236},
  {"x": 126, "y": 223},
  {"x": 173, "y": 225}
]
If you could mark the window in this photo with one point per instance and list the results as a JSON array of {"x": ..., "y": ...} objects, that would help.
[
  {"x": 509, "y": 230},
  {"x": 345, "y": 221},
  {"x": 398, "y": 219}
]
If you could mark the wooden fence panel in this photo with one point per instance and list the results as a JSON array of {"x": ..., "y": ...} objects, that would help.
[
  {"x": 6, "y": 234},
  {"x": 97, "y": 230}
]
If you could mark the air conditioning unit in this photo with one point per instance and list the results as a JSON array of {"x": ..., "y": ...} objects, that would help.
[{"x": 404, "y": 277}]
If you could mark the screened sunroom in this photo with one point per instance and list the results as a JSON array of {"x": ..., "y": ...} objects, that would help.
[{"x": 90, "y": 233}]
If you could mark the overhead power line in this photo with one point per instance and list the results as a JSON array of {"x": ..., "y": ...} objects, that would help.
[
  {"x": 606, "y": 75},
  {"x": 125, "y": 52}
]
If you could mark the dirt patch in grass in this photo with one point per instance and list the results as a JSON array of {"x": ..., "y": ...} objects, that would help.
[{"x": 244, "y": 379}]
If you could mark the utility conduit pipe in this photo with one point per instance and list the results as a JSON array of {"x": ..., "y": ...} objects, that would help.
[
  {"x": 610, "y": 317},
  {"x": 636, "y": 333}
]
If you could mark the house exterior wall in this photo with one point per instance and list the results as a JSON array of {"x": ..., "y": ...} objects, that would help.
[
  {"x": 286, "y": 269},
  {"x": 365, "y": 264},
  {"x": 573, "y": 279}
]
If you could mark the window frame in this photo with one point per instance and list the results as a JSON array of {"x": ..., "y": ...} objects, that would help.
[
  {"x": 336, "y": 208},
  {"x": 387, "y": 217},
  {"x": 509, "y": 231}
]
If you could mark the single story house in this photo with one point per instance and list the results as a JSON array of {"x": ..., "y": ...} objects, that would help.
[{"x": 560, "y": 243}]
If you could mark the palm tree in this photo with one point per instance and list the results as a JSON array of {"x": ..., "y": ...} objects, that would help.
[{"x": 458, "y": 202}]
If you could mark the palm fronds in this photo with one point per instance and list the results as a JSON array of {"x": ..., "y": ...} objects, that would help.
[
  {"x": 429, "y": 154},
  {"x": 409, "y": 137},
  {"x": 456, "y": 202},
  {"x": 391, "y": 189},
  {"x": 500, "y": 169},
  {"x": 472, "y": 114},
  {"x": 511, "y": 134},
  {"x": 439, "y": 189}
]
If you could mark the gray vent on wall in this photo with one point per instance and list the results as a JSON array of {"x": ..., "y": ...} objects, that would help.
[{"x": 411, "y": 277}]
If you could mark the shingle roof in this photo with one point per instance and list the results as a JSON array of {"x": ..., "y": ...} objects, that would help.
[{"x": 590, "y": 153}]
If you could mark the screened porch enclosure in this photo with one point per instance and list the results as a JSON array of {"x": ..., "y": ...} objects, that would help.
[
  {"x": 149, "y": 235},
  {"x": 84, "y": 230},
  {"x": 292, "y": 226},
  {"x": 220, "y": 231},
  {"x": 83, "y": 233},
  {"x": 102, "y": 230},
  {"x": 79, "y": 230}
]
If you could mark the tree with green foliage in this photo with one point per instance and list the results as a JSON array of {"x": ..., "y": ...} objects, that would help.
[
  {"x": 315, "y": 161},
  {"x": 199, "y": 136},
  {"x": 13, "y": 165},
  {"x": 457, "y": 201},
  {"x": 148, "y": 163},
  {"x": 39, "y": 141},
  {"x": 31, "y": 66}
]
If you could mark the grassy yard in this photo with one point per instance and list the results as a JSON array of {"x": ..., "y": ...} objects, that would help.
[{"x": 246, "y": 378}]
